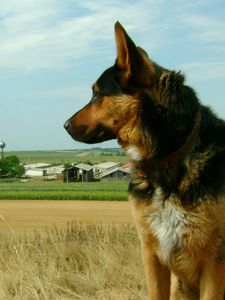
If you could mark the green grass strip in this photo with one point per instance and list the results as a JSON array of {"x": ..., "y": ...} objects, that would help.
[{"x": 64, "y": 195}]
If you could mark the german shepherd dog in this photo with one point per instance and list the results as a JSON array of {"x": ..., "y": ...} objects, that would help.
[{"x": 177, "y": 152}]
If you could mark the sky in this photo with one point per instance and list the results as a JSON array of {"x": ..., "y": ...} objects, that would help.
[{"x": 52, "y": 51}]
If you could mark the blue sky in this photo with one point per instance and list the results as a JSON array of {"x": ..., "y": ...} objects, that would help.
[{"x": 51, "y": 51}]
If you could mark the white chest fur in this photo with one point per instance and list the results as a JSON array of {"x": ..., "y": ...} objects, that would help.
[
  {"x": 167, "y": 222},
  {"x": 133, "y": 152}
]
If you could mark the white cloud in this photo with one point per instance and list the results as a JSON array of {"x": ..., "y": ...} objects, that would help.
[
  {"x": 49, "y": 34},
  {"x": 54, "y": 34},
  {"x": 200, "y": 71}
]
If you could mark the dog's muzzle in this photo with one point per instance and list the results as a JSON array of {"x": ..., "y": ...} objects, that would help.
[{"x": 83, "y": 133}]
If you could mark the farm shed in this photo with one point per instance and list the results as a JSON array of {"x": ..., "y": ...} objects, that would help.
[
  {"x": 80, "y": 172},
  {"x": 35, "y": 170},
  {"x": 36, "y": 166},
  {"x": 43, "y": 170},
  {"x": 102, "y": 168},
  {"x": 115, "y": 173},
  {"x": 53, "y": 172},
  {"x": 69, "y": 174}
]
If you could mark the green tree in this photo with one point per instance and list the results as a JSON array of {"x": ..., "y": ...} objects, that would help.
[{"x": 11, "y": 167}]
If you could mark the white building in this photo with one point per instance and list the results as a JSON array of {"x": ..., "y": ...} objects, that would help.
[{"x": 43, "y": 170}]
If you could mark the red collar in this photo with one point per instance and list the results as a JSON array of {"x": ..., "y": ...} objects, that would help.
[{"x": 160, "y": 165}]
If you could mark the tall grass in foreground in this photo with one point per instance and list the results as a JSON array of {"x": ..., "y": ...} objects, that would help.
[{"x": 79, "y": 261}]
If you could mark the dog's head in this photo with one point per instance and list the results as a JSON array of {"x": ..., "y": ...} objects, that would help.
[{"x": 130, "y": 102}]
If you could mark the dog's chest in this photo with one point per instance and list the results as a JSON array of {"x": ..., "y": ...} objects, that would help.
[
  {"x": 167, "y": 222},
  {"x": 133, "y": 152}
]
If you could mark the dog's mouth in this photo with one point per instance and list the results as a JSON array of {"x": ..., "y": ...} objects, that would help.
[{"x": 82, "y": 133}]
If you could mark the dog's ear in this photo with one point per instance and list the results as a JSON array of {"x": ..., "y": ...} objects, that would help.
[{"x": 131, "y": 60}]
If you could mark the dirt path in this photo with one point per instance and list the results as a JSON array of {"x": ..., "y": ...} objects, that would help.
[{"x": 26, "y": 215}]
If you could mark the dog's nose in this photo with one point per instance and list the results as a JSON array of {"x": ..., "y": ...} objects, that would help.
[{"x": 67, "y": 125}]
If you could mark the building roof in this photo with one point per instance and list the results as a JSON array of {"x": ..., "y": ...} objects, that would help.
[
  {"x": 36, "y": 166},
  {"x": 107, "y": 172},
  {"x": 106, "y": 165},
  {"x": 125, "y": 170},
  {"x": 84, "y": 167}
]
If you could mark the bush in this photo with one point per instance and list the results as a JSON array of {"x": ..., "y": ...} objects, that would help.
[{"x": 11, "y": 167}]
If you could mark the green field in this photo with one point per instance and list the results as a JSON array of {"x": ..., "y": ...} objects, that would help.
[
  {"x": 92, "y": 156},
  {"x": 57, "y": 190}
]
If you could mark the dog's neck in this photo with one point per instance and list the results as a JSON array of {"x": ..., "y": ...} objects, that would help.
[{"x": 154, "y": 167}]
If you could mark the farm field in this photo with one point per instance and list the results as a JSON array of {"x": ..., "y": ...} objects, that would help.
[
  {"x": 77, "y": 261},
  {"x": 55, "y": 246},
  {"x": 91, "y": 252},
  {"x": 25, "y": 216},
  {"x": 58, "y": 190},
  {"x": 70, "y": 156}
]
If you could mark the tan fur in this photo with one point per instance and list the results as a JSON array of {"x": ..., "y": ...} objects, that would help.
[
  {"x": 120, "y": 114},
  {"x": 195, "y": 262},
  {"x": 117, "y": 106}
]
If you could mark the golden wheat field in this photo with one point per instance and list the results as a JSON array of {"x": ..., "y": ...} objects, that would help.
[{"x": 92, "y": 251}]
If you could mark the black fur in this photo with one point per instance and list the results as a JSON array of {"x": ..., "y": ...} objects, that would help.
[
  {"x": 108, "y": 84},
  {"x": 170, "y": 120}
]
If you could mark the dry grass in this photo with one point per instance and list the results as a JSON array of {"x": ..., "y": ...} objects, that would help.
[
  {"x": 25, "y": 216},
  {"x": 78, "y": 261}
]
